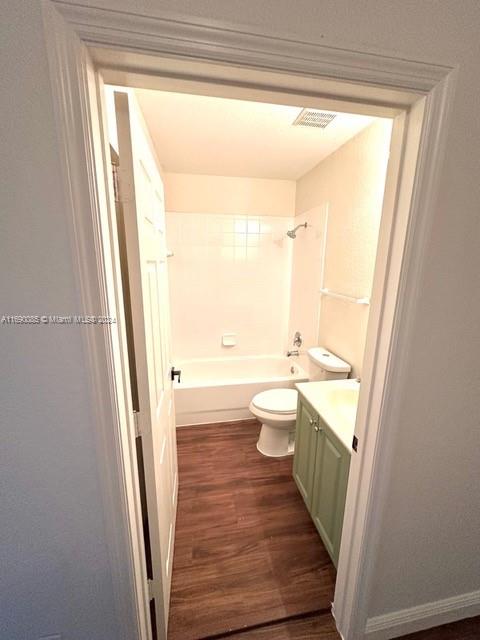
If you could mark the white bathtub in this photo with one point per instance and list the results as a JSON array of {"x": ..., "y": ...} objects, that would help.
[{"x": 220, "y": 389}]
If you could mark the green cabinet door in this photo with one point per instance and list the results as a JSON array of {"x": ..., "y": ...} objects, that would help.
[
  {"x": 305, "y": 441},
  {"x": 329, "y": 488}
]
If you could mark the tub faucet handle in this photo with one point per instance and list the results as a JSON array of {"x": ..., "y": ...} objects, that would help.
[
  {"x": 175, "y": 373},
  {"x": 297, "y": 339}
]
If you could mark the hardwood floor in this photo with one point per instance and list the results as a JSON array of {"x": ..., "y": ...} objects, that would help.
[
  {"x": 468, "y": 629},
  {"x": 316, "y": 627},
  {"x": 246, "y": 551},
  {"x": 322, "y": 627}
]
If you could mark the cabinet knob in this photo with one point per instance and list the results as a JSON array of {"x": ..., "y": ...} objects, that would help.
[
  {"x": 311, "y": 421},
  {"x": 316, "y": 427}
]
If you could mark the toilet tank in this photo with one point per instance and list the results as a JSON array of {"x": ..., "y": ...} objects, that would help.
[{"x": 324, "y": 365}]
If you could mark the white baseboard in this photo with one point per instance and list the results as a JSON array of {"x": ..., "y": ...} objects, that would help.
[{"x": 424, "y": 616}]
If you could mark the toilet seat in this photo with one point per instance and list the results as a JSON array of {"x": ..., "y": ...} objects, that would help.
[
  {"x": 279, "y": 401},
  {"x": 276, "y": 409}
]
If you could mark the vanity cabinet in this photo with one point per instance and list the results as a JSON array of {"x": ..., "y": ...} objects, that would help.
[
  {"x": 320, "y": 470},
  {"x": 305, "y": 451}
]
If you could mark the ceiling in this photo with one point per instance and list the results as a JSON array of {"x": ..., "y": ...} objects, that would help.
[{"x": 221, "y": 136}]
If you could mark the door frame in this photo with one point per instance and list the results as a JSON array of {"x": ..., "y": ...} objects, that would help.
[{"x": 155, "y": 50}]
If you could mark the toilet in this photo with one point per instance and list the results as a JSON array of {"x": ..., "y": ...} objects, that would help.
[
  {"x": 277, "y": 408},
  {"x": 277, "y": 411}
]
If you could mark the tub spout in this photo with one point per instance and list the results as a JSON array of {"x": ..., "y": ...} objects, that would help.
[{"x": 295, "y": 352}]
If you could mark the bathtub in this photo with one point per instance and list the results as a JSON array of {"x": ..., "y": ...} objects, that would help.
[{"x": 219, "y": 390}]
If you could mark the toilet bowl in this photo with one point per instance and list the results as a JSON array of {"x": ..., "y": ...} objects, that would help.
[{"x": 277, "y": 410}]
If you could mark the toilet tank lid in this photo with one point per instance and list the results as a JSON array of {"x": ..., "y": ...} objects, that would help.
[{"x": 328, "y": 361}]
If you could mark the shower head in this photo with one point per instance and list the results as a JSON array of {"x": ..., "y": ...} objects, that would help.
[{"x": 293, "y": 232}]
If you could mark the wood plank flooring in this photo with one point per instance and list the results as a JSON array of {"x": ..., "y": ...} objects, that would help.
[
  {"x": 316, "y": 627},
  {"x": 468, "y": 629},
  {"x": 322, "y": 627},
  {"x": 246, "y": 551}
]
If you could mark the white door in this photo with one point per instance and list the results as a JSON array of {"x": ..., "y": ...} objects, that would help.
[{"x": 142, "y": 198}]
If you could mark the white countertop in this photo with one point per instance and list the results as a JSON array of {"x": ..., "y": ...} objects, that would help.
[{"x": 336, "y": 402}]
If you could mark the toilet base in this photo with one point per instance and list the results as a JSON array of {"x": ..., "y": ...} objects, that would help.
[{"x": 276, "y": 443}]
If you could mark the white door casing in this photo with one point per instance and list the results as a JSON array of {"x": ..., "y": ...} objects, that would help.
[
  {"x": 164, "y": 49},
  {"x": 142, "y": 198}
]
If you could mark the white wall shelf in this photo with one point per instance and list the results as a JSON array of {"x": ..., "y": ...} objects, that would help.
[{"x": 341, "y": 296}]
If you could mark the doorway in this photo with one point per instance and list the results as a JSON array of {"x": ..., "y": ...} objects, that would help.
[
  {"x": 428, "y": 91},
  {"x": 215, "y": 239},
  {"x": 184, "y": 623}
]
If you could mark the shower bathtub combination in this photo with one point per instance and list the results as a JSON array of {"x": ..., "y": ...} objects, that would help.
[{"x": 220, "y": 390}]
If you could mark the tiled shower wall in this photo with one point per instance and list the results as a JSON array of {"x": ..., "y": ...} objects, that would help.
[{"x": 229, "y": 274}]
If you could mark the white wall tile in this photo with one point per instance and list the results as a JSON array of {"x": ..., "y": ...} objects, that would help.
[{"x": 229, "y": 274}]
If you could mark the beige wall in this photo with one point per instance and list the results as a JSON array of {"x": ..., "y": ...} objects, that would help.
[
  {"x": 306, "y": 280},
  {"x": 192, "y": 193},
  {"x": 351, "y": 183}
]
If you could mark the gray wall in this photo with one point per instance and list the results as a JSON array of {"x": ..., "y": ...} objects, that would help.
[
  {"x": 54, "y": 567},
  {"x": 53, "y": 543}
]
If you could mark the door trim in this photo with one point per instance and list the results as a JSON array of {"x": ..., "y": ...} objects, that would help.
[
  {"x": 277, "y": 64},
  {"x": 216, "y": 41}
]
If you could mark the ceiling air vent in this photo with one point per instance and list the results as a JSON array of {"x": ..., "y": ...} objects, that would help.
[{"x": 313, "y": 118}]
